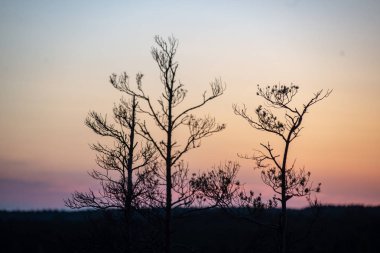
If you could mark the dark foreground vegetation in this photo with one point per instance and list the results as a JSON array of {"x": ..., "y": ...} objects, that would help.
[{"x": 336, "y": 229}]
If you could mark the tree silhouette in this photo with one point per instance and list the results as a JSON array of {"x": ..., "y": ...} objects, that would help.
[
  {"x": 284, "y": 180},
  {"x": 168, "y": 118},
  {"x": 220, "y": 187},
  {"x": 126, "y": 173}
]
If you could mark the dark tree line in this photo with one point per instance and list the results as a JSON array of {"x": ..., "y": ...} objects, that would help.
[{"x": 145, "y": 169}]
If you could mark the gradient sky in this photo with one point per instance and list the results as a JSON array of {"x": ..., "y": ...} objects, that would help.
[{"x": 56, "y": 56}]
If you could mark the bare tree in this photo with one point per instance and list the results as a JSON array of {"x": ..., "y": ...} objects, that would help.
[
  {"x": 285, "y": 180},
  {"x": 220, "y": 187},
  {"x": 126, "y": 170},
  {"x": 168, "y": 118}
]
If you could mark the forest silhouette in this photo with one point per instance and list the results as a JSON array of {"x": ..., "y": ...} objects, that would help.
[{"x": 337, "y": 229}]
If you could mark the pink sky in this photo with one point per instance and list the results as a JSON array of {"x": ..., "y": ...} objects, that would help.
[{"x": 56, "y": 56}]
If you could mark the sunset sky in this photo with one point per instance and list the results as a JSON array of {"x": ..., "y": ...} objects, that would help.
[{"x": 56, "y": 57}]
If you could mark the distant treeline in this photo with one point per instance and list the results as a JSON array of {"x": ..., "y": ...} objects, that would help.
[{"x": 331, "y": 229}]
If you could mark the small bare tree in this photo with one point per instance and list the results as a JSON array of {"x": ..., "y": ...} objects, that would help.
[
  {"x": 285, "y": 180},
  {"x": 169, "y": 118},
  {"x": 126, "y": 173},
  {"x": 220, "y": 187}
]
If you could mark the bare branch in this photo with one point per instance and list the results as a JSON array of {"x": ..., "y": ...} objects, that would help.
[{"x": 217, "y": 89}]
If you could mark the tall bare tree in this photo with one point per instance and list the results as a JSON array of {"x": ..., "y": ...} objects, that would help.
[
  {"x": 169, "y": 118},
  {"x": 284, "y": 179},
  {"x": 126, "y": 168}
]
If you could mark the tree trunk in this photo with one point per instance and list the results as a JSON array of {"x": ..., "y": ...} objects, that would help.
[
  {"x": 168, "y": 208},
  {"x": 129, "y": 196},
  {"x": 284, "y": 218},
  {"x": 283, "y": 226}
]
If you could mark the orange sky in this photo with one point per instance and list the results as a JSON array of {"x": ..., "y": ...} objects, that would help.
[{"x": 55, "y": 59}]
